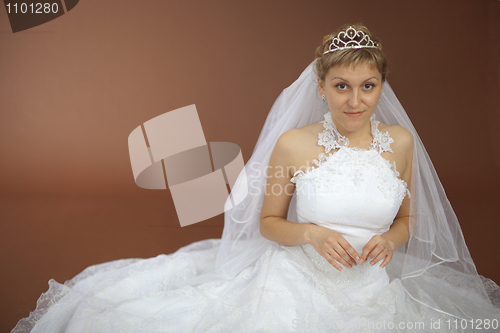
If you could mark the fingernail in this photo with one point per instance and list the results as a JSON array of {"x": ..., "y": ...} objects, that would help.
[{"x": 357, "y": 258}]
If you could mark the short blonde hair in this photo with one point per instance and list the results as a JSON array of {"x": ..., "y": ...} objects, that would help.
[{"x": 372, "y": 56}]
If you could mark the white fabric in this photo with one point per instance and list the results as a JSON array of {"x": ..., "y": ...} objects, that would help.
[
  {"x": 352, "y": 191},
  {"x": 245, "y": 283}
]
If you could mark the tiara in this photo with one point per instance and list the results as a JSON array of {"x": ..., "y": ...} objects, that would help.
[{"x": 345, "y": 40}]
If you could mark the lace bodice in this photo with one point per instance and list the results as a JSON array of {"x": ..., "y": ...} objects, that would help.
[{"x": 354, "y": 191}]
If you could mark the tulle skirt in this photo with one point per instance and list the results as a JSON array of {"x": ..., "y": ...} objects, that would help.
[{"x": 288, "y": 289}]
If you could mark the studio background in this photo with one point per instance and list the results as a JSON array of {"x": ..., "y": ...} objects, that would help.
[{"x": 73, "y": 89}]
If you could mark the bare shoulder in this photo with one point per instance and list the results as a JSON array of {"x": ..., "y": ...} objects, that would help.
[
  {"x": 403, "y": 139},
  {"x": 297, "y": 140},
  {"x": 296, "y": 147},
  {"x": 286, "y": 147},
  {"x": 287, "y": 141}
]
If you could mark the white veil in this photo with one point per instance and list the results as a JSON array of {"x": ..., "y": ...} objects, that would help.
[{"x": 435, "y": 266}]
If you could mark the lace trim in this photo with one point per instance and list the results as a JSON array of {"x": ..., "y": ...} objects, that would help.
[
  {"x": 396, "y": 173},
  {"x": 331, "y": 139},
  {"x": 322, "y": 158},
  {"x": 350, "y": 167},
  {"x": 381, "y": 141}
]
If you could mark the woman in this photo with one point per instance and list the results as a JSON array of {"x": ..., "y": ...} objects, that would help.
[
  {"x": 405, "y": 263},
  {"x": 351, "y": 84}
]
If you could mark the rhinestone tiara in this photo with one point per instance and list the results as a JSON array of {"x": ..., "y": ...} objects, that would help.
[{"x": 346, "y": 40}]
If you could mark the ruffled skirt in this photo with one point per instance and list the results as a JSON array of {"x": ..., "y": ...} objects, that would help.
[{"x": 288, "y": 289}]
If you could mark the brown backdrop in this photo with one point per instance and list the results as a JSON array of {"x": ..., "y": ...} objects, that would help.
[{"x": 73, "y": 89}]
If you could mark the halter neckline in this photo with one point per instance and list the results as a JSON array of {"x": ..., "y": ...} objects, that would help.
[{"x": 331, "y": 138}]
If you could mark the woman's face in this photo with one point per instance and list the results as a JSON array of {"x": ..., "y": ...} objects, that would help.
[{"x": 352, "y": 95}]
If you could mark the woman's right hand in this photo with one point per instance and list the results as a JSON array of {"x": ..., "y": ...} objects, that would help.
[{"x": 332, "y": 246}]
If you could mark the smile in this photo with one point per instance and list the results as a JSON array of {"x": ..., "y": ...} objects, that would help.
[{"x": 354, "y": 114}]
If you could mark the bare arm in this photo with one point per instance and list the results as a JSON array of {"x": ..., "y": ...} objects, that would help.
[{"x": 279, "y": 190}]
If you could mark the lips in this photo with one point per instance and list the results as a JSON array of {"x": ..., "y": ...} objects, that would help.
[{"x": 354, "y": 113}]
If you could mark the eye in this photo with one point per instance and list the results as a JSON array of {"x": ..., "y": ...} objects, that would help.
[
  {"x": 341, "y": 86},
  {"x": 369, "y": 86}
]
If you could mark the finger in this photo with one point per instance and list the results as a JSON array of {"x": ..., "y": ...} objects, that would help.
[
  {"x": 340, "y": 258},
  {"x": 367, "y": 250},
  {"x": 329, "y": 258},
  {"x": 387, "y": 259},
  {"x": 350, "y": 250},
  {"x": 381, "y": 255},
  {"x": 347, "y": 260},
  {"x": 377, "y": 248}
]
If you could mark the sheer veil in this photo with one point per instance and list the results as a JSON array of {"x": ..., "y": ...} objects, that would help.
[
  {"x": 434, "y": 268},
  {"x": 435, "y": 261}
]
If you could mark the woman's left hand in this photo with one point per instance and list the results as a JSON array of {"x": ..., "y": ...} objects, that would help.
[{"x": 377, "y": 249}]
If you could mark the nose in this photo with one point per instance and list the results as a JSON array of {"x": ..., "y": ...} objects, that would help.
[{"x": 354, "y": 99}]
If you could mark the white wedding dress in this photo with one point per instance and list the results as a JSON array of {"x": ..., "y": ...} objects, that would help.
[{"x": 288, "y": 289}]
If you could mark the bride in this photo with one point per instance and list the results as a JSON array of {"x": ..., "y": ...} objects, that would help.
[{"x": 346, "y": 228}]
